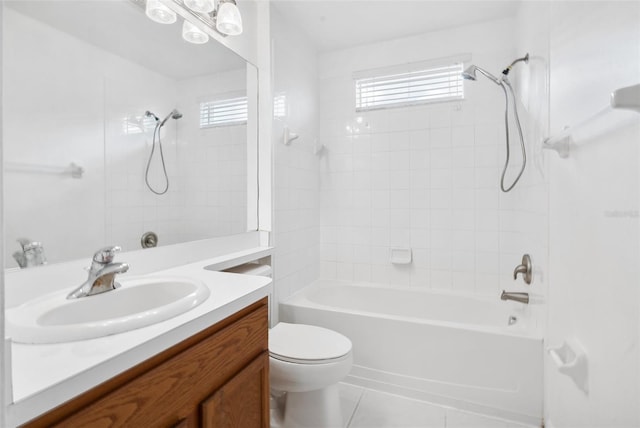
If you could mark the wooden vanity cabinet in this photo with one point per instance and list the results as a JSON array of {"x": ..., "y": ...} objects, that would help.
[{"x": 216, "y": 378}]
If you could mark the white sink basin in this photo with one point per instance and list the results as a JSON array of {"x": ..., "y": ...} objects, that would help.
[{"x": 53, "y": 318}]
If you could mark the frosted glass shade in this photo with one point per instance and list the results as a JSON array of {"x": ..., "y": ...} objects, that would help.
[
  {"x": 228, "y": 20},
  {"x": 201, "y": 6},
  {"x": 160, "y": 13},
  {"x": 193, "y": 34}
]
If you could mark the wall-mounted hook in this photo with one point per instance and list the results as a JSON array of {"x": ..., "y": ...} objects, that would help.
[{"x": 289, "y": 136}]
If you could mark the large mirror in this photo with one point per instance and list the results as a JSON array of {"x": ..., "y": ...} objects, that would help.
[{"x": 115, "y": 126}]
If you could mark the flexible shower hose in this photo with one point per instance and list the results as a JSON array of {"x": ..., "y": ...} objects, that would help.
[
  {"x": 164, "y": 167},
  {"x": 505, "y": 82}
]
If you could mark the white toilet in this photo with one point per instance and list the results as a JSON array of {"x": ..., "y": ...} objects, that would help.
[{"x": 306, "y": 364}]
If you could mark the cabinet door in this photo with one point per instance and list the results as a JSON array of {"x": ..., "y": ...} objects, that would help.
[{"x": 242, "y": 402}]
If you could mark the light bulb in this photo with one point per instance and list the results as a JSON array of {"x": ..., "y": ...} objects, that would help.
[
  {"x": 160, "y": 13},
  {"x": 193, "y": 34},
  {"x": 201, "y": 6},
  {"x": 228, "y": 20}
]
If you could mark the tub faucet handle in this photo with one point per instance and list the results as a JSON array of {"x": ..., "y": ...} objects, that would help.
[{"x": 525, "y": 268}]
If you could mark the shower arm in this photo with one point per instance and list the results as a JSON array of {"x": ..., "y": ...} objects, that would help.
[{"x": 524, "y": 59}]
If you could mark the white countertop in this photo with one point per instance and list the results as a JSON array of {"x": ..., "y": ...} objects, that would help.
[{"x": 45, "y": 376}]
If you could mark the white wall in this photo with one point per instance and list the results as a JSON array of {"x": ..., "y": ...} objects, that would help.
[
  {"x": 426, "y": 177},
  {"x": 594, "y": 224},
  {"x": 4, "y": 388},
  {"x": 296, "y": 167},
  {"x": 81, "y": 119},
  {"x": 52, "y": 125}
]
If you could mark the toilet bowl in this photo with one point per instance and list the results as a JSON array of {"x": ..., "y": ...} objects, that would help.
[{"x": 306, "y": 364}]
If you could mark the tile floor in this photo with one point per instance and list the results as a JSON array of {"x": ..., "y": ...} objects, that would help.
[{"x": 367, "y": 408}]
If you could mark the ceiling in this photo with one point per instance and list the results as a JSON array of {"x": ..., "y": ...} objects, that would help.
[
  {"x": 340, "y": 24},
  {"x": 122, "y": 28}
]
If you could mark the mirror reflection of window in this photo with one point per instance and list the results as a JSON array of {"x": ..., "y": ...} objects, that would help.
[{"x": 230, "y": 110}]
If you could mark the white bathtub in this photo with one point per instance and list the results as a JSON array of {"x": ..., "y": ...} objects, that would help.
[{"x": 452, "y": 349}]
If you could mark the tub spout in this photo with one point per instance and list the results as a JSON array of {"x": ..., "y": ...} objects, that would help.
[{"x": 516, "y": 297}]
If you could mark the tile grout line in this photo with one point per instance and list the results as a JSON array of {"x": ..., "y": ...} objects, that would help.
[{"x": 355, "y": 409}]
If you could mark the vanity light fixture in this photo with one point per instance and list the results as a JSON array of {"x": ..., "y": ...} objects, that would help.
[
  {"x": 158, "y": 12},
  {"x": 193, "y": 34},
  {"x": 228, "y": 19},
  {"x": 201, "y": 6},
  {"x": 222, "y": 16}
]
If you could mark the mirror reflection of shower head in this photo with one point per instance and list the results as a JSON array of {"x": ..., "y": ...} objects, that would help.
[
  {"x": 175, "y": 114},
  {"x": 503, "y": 81},
  {"x": 149, "y": 114}
]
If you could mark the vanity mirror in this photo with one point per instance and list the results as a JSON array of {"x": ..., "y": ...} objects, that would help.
[{"x": 116, "y": 125}]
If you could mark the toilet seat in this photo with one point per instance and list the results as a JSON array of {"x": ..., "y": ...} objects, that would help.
[{"x": 307, "y": 344}]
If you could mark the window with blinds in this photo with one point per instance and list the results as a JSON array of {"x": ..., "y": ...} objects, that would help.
[
  {"x": 419, "y": 85},
  {"x": 280, "y": 106},
  {"x": 221, "y": 112}
]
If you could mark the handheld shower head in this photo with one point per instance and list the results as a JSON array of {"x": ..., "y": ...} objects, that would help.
[
  {"x": 470, "y": 74},
  {"x": 175, "y": 114},
  {"x": 503, "y": 82}
]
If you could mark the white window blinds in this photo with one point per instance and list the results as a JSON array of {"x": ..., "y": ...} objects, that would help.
[
  {"x": 228, "y": 111},
  {"x": 393, "y": 88}
]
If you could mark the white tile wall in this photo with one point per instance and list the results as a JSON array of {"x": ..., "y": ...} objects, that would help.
[
  {"x": 423, "y": 177},
  {"x": 296, "y": 166}
]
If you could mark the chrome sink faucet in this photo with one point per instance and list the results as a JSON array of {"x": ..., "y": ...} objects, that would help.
[
  {"x": 101, "y": 274},
  {"x": 32, "y": 254}
]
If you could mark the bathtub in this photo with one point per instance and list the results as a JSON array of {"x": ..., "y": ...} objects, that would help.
[{"x": 462, "y": 351}]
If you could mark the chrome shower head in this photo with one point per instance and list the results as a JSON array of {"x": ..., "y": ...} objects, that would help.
[
  {"x": 470, "y": 74},
  {"x": 175, "y": 114}
]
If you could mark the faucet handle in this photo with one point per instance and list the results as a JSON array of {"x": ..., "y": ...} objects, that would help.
[
  {"x": 32, "y": 246},
  {"x": 23, "y": 242},
  {"x": 525, "y": 268},
  {"x": 106, "y": 255}
]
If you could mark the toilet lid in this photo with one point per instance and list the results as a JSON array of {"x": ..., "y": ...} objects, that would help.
[{"x": 301, "y": 343}]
